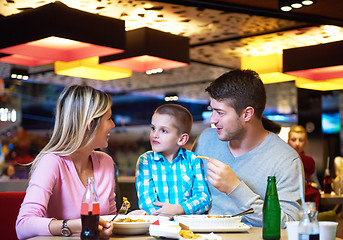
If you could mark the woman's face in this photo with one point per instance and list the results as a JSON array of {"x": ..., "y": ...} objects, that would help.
[
  {"x": 103, "y": 132},
  {"x": 297, "y": 141}
]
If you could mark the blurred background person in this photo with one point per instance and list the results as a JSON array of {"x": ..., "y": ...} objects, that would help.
[
  {"x": 297, "y": 139},
  {"x": 7, "y": 172}
]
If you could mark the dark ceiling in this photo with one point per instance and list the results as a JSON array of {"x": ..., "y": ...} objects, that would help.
[{"x": 221, "y": 32}]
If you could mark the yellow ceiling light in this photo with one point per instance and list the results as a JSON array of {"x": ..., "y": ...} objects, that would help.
[
  {"x": 269, "y": 67},
  {"x": 90, "y": 68},
  {"x": 324, "y": 85}
]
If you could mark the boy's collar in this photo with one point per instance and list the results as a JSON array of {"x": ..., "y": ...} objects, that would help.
[{"x": 158, "y": 156}]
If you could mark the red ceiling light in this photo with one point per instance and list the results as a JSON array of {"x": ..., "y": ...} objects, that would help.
[
  {"x": 148, "y": 49},
  {"x": 56, "y": 32},
  {"x": 23, "y": 60},
  {"x": 318, "y": 63}
]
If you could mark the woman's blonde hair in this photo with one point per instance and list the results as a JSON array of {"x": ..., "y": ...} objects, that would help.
[{"x": 77, "y": 107}]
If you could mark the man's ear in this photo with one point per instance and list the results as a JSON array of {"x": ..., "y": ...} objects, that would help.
[
  {"x": 247, "y": 113},
  {"x": 183, "y": 139},
  {"x": 89, "y": 125}
]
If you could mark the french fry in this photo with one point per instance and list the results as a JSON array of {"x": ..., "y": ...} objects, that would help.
[{"x": 203, "y": 157}]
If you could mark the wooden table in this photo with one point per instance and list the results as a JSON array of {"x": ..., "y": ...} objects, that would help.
[
  {"x": 331, "y": 199},
  {"x": 252, "y": 234}
]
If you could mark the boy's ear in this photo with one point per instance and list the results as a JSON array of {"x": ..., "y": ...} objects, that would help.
[{"x": 183, "y": 139}]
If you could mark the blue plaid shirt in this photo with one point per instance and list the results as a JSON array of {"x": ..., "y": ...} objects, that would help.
[{"x": 181, "y": 181}]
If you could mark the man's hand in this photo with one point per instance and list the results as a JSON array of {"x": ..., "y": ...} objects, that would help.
[{"x": 221, "y": 176}]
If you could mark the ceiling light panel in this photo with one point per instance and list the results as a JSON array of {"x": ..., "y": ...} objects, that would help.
[
  {"x": 57, "y": 32},
  {"x": 200, "y": 24}
]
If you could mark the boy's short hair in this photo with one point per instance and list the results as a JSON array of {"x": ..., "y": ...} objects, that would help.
[{"x": 183, "y": 117}]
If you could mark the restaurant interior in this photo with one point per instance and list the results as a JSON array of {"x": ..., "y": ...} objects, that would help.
[{"x": 147, "y": 53}]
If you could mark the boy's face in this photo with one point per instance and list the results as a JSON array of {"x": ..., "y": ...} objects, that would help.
[{"x": 164, "y": 136}]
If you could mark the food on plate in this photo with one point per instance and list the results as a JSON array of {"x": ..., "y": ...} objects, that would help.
[
  {"x": 129, "y": 220},
  {"x": 126, "y": 202},
  {"x": 216, "y": 216},
  {"x": 188, "y": 234}
]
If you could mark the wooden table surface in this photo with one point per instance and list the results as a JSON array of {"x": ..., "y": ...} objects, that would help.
[
  {"x": 331, "y": 199},
  {"x": 252, "y": 234}
]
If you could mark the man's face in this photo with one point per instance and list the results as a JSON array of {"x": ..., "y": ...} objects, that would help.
[{"x": 227, "y": 121}]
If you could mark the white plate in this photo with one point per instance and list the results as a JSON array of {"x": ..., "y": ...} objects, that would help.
[
  {"x": 165, "y": 229},
  {"x": 171, "y": 230},
  {"x": 133, "y": 228},
  {"x": 242, "y": 227},
  {"x": 201, "y": 223}
]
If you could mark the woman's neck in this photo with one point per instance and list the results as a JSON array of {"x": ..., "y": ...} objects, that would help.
[{"x": 83, "y": 164}]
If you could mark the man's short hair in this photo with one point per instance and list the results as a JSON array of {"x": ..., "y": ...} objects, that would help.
[
  {"x": 240, "y": 89},
  {"x": 183, "y": 118}
]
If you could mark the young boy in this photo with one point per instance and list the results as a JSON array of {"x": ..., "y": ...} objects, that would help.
[{"x": 170, "y": 179}]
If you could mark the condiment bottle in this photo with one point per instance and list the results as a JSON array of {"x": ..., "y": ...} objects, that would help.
[
  {"x": 90, "y": 211},
  {"x": 327, "y": 181},
  {"x": 308, "y": 228},
  {"x": 271, "y": 212}
]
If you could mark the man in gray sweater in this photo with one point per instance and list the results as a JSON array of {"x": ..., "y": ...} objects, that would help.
[{"x": 242, "y": 154}]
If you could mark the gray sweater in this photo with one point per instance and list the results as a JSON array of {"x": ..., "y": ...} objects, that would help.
[{"x": 273, "y": 157}]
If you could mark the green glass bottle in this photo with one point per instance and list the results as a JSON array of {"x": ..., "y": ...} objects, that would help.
[{"x": 271, "y": 212}]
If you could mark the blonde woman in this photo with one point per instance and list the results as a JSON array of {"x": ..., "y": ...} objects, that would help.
[
  {"x": 297, "y": 139},
  {"x": 59, "y": 172}
]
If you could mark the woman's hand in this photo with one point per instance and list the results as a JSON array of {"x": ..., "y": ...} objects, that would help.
[{"x": 105, "y": 228}]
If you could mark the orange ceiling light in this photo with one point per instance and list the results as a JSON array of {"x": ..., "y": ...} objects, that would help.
[
  {"x": 269, "y": 67},
  {"x": 326, "y": 85},
  {"x": 91, "y": 69},
  {"x": 148, "y": 49},
  {"x": 320, "y": 67},
  {"x": 56, "y": 32}
]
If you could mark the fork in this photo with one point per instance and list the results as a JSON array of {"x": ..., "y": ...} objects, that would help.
[{"x": 123, "y": 210}]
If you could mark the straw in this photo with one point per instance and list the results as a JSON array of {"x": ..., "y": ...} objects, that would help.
[
  {"x": 327, "y": 163},
  {"x": 301, "y": 190},
  {"x": 302, "y": 195}
]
